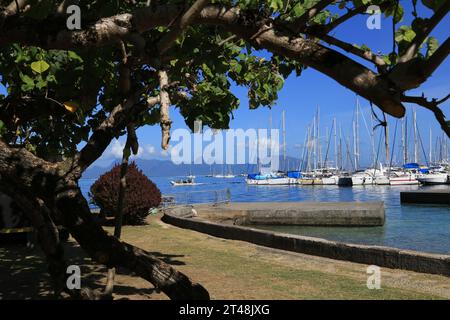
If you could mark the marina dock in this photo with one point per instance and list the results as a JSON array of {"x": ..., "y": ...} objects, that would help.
[{"x": 426, "y": 196}]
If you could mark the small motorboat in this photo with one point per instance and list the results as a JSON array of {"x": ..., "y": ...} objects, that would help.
[{"x": 184, "y": 182}]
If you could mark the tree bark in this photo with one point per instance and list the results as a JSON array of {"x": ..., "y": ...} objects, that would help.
[{"x": 23, "y": 173}]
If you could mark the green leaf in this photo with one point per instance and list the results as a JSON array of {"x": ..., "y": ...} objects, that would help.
[
  {"x": 404, "y": 33},
  {"x": 386, "y": 59},
  {"x": 28, "y": 84},
  {"x": 74, "y": 56},
  {"x": 2, "y": 129},
  {"x": 276, "y": 5},
  {"x": 41, "y": 84},
  {"x": 39, "y": 66},
  {"x": 432, "y": 45},
  {"x": 398, "y": 14}
]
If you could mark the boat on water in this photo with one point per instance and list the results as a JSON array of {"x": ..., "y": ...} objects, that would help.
[
  {"x": 434, "y": 178},
  {"x": 228, "y": 176},
  {"x": 328, "y": 176},
  {"x": 363, "y": 177},
  {"x": 403, "y": 178},
  {"x": 267, "y": 177},
  {"x": 407, "y": 175},
  {"x": 323, "y": 176},
  {"x": 435, "y": 175},
  {"x": 344, "y": 179},
  {"x": 264, "y": 179},
  {"x": 184, "y": 182}
]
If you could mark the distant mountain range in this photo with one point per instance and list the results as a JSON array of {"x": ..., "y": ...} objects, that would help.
[{"x": 166, "y": 168}]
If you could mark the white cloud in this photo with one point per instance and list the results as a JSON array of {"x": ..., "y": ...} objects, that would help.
[{"x": 115, "y": 151}]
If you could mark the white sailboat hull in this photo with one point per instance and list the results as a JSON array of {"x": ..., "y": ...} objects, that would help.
[
  {"x": 403, "y": 180},
  {"x": 382, "y": 180},
  {"x": 433, "y": 178},
  {"x": 362, "y": 180},
  {"x": 278, "y": 181},
  {"x": 330, "y": 180}
]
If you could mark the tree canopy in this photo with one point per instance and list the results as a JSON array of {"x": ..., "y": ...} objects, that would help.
[{"x": 131, "y": 61}]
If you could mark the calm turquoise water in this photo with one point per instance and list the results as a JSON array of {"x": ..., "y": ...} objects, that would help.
[{"x": 415, "y": 227}]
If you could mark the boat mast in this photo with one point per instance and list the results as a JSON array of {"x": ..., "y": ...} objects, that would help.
[
  {"x": 314, "y": 158},
  {"x": 406, "y": 140},
  {"x": 257, "y": 152},
  {"x": 283, "y": 126},
  {"x": 403, "y": 140},
  {"x": 370, "y": 133},
  {"x": 310, "y": 148},
  {"x": 340, "y": 149},
  {"x": 327, "y": 143},
  {"x": 430, "y": 148},
  {"x": 335, "y": 143},
  {"x": 416, "y": 153},
  {"x": 357, "y": 134},
  {"x": 354, "y": 146},
  {"x": 319, "y": 149},
  {"x": 386, "y": 142}
]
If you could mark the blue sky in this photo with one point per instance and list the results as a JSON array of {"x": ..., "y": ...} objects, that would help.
[{"x": 301, "y": 96}]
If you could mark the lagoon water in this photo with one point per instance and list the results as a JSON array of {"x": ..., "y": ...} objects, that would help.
[{"x": 415, "y": 227}]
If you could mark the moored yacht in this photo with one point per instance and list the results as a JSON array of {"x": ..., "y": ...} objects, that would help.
[
  {"x": 267, "y": 177},
  {"x": 407, "y": 175}
]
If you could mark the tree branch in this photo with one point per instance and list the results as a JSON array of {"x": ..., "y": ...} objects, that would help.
[
  {"x": 14, "y": 8},
  {"x": 437, "y": 58},
  {"x": 168, "y": 39},
  {"x": 102, "y": 136},
  {"x": 28, "y": 174},
  {"x": 165, "y": 121},
  {"x": 433, "y": 106},
  {"x": 364, "y": 54},
  {"x": 302, "y": 21},
  {"x": 423, "y": 32}
]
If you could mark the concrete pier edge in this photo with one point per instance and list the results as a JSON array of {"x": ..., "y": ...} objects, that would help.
[{"x": 365, "y": 254}]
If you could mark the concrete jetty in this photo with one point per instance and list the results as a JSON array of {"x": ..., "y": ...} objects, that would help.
[
  {"x": 295, "y": 213},
  {"x": 191, "y": 218},
  {"x": 434, "y": 196}
]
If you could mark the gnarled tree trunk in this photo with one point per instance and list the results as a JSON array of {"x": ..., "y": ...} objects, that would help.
[{"x": 25, "y": 175}]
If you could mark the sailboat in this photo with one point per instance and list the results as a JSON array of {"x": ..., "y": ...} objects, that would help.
[
  {"x": 229, "y": 174},
  {"x": 266, "y": 176},
  {"x": 405, "y": 176},
  {"x": 435, "y": 175}
]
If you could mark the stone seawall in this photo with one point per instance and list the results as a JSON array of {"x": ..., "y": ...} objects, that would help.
[
  {"x": 374, "y": 255},
  {"x": 296, "y": 213}
]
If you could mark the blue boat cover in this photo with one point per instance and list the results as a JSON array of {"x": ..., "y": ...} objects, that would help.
[
  {"x": 258, "y": 176},
  {"x": 294, "y": 174},
  {"x": 411, "y": 165}
]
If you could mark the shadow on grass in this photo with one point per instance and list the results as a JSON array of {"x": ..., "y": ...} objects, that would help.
[{"x": 24, "y": 273}]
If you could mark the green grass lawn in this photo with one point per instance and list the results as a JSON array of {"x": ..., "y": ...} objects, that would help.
[
  {"x": 227, "y": 269},
  {"x": 239, "y": 270}
]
